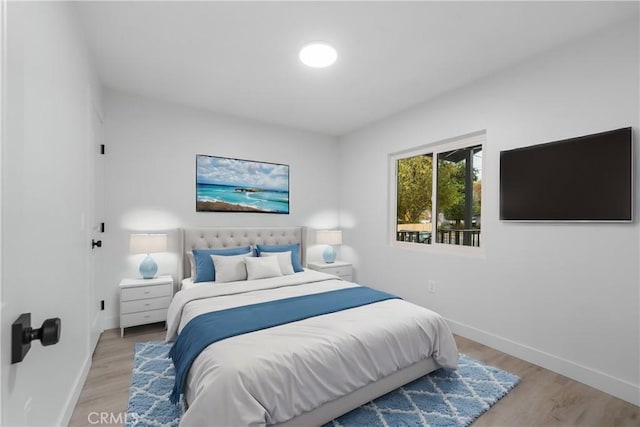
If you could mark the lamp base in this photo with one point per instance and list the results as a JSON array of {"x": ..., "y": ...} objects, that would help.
[
  {"x": 329, "y": 254},
  {"x": 148, "y": 268}
]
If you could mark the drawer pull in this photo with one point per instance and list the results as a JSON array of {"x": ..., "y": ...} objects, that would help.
[
  {"x": 147, "y": 305},
  {"x": 147, "y": 316},
  {"x": 147, "y": 292}
]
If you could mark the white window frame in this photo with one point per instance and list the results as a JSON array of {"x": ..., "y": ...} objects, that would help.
[{"x": 435, "y": 148}]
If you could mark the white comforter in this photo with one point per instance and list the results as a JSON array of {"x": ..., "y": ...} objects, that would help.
[{"x": 273, "y": 375}]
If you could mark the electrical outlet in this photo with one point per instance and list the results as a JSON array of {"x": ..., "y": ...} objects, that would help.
[{"x": 431, "y": 286}]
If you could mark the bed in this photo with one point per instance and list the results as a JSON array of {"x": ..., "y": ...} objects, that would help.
[{"x": 306, "y": 372}]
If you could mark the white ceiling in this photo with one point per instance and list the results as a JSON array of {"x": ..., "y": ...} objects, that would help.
[{"x": 240, "y": 58}]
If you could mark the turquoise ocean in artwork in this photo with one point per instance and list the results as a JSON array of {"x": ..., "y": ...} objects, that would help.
[{"x": 264, "y": 200}]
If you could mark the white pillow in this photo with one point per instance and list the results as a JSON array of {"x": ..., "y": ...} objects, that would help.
[
  {"x": 284, "y": 260},
  {"x": 262, "y": 268},
  {"x": 229, "y": 268},
  {"x": 192, "y": 263}
]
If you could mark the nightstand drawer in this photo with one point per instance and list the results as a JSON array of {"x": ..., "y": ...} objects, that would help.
[
  {"x": 338, "y": 271},
  {"x": 343, "y": 270},
  {"x": 143, "y": 318},
  {"x": 144, "y": 305},
  {"x": 144, "y": 292}
]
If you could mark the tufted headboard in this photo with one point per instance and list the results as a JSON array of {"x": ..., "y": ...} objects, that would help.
[{"x": 233, "y": 237}]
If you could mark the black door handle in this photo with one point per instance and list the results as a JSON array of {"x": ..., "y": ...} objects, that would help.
[
  {"x": 95, "y": 243},
  {"x": 22, "y": 334}
]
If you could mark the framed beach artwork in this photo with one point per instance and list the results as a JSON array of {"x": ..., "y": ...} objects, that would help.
[{"x": 233, "y": 185}]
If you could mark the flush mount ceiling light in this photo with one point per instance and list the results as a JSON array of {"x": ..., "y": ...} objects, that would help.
[{"x": 318, "y": 55}]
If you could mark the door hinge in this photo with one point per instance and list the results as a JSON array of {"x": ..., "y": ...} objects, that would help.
[
  {"x": 101, "y": 148},
  {"x": 102, "y": 227},
  {"x": 102, "y": 305}
]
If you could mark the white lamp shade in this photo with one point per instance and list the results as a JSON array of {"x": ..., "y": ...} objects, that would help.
[
  {"x": 329, "y": 237},
  {"x": 147, "y": 243}
]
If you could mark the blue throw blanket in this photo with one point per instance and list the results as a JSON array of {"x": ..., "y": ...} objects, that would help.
[{"x": 207, "y": 328}]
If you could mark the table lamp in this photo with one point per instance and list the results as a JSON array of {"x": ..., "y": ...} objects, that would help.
[
  {"x": 329, "y": 238},
  {"x": 148, "y": 244}
]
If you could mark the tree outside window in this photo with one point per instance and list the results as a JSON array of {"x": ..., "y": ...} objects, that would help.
[{"x": 458, "y": 188}]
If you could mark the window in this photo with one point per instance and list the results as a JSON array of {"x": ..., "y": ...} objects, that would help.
[{"x": 439, "y": 202}]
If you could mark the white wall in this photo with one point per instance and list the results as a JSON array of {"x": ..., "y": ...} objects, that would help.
[
  {"x": 565, "y": 296},
  {"x": 49, "y": 84},
  {"x": 150, "y": 177}
]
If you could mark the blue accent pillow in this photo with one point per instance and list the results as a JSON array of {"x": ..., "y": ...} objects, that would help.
[
  {"x": 205, "y": 272},
  {"x": 295, "y": 253}
]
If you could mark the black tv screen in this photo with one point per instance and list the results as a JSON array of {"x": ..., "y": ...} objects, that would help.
[{"x": 588, "y": 178}]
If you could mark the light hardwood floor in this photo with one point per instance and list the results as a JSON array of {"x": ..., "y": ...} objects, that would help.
[{"x": 542, "y": 398}]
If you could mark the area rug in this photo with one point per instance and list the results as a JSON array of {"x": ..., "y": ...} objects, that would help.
[{"x": 443, "y": 398}]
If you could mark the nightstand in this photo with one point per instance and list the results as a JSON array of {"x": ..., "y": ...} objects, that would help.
[
  {"x": 340, "y": 268},
  {"x": 144, "y": 301}
]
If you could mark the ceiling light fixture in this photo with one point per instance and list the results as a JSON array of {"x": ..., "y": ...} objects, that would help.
[{"x": 318, "y": 55}]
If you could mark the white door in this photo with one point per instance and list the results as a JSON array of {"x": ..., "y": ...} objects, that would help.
[
  {"x": 95, "y": 222},
  {"x": 2, "y": 115}
]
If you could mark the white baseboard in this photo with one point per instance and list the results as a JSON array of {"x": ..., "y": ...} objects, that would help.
[
  {"x": 110, "y": 323},
  {"x": 72, "y": 400},
  {"x": 93, "y": 342},
  {"x": 604, "y": 382}
]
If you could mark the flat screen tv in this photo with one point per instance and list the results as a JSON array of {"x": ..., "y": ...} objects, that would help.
[{"x": 588, "y": 178}]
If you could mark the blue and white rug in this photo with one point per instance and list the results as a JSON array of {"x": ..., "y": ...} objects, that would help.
[{"x": 443, "y": 398}]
